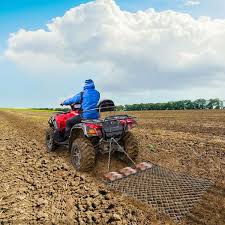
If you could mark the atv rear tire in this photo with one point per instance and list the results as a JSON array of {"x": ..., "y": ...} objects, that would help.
[
  {"x": 83, "y": 154},
  {"x": 49, "y": 140},
  {"x": 130, "y": 144}
]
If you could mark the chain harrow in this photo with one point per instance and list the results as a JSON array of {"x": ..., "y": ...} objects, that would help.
[{"x": 169, "y": 192}]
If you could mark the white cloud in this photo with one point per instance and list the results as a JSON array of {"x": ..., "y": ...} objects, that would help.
[
  {"x": 130, "y": 52},
  {"x": 192, "y": 3}
]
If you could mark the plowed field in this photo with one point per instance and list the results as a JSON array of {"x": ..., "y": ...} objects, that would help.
[{"x": 41, "y": 188}]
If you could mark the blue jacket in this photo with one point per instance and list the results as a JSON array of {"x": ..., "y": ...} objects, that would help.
[{"x": 90, "y": 100}]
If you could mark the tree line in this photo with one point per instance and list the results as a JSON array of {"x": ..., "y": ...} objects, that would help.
[
  {"x": 175, "y": 105},
  {"x": 172, "y": 105}
]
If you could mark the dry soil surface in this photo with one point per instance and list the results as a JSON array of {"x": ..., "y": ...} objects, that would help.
[{"x": 41, "y": 188}]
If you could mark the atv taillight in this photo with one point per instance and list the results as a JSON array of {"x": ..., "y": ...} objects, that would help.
[
  {"x": 123, "y": 122},
  {"x": 93, "y": 130},
  {"x": 130, "y": 123}
]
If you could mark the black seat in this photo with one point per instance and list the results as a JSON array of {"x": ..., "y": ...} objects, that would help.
[{"x": 106, "y": 105}]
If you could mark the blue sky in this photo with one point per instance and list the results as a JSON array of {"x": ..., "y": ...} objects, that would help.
[
  {"x": 20, "y": 89},
  {"x": 17, "y": 88}
]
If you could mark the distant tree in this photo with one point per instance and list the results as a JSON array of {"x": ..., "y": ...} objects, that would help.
[
  {"x": 120, "y": 108},
  {"x": 215, "y": 104},
  {"x": 177, "y": 105},
  {"x": 200, "y": 104}
]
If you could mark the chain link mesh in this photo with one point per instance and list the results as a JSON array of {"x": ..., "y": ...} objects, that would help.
[{"x": 169, "y": 192}]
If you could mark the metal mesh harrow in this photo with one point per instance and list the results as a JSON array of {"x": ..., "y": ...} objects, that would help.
[{"x": 167, "y": 191}]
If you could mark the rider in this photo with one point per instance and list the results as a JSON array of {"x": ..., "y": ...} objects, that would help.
[{"x": 88, "y": 99}]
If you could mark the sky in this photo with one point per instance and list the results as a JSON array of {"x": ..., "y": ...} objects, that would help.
[{"x": 135, "y": 51}]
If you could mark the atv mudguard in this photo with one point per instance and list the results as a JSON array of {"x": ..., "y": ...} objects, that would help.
[{"x": 78, "y": 130}]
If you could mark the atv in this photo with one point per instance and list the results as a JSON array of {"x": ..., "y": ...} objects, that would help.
[{"x": 110, "y": 135}]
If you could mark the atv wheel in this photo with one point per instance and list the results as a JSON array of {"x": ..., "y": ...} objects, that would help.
[
  {"x": 50, "y": 143},
  {"x": 130, "y": 144},
  {"x": 82, "y": 154}
]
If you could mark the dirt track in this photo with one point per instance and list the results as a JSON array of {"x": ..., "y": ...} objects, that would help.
[{"x": 39, "y": 187}]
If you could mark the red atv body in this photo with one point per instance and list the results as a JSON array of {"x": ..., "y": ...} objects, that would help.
[
  {"x": 108, "y": 135},
  {"x": 62, "y": 118}
]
